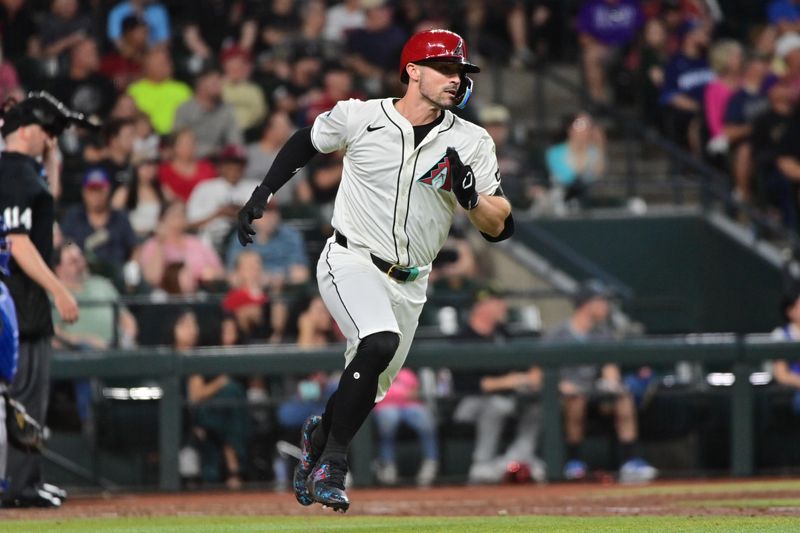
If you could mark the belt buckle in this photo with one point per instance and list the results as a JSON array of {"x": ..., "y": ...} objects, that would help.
[{"x": 413, "y": 272}]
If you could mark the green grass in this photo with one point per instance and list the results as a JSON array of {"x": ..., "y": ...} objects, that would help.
[
  {"x": 755, "y": 503},
  {"x": 700, "y": 488},
  {"x": 392, "y": 524}
]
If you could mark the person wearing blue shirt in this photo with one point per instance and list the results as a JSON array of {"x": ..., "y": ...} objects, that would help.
[
  {"x": 9, "y": 346},
  {"x": 154, "y": 14},
  {"x": 685, "y": 78}
]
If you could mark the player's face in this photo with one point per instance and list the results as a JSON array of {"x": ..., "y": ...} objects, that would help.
[{"x": 439, "y": 82}]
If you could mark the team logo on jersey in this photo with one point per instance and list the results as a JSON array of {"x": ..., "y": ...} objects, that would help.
[
  {"x": 459, "y": 51},
  {"x": 438, "y": 177}
]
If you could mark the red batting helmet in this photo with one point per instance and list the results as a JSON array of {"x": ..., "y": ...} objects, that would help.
[{"x": 435, "y": 45}]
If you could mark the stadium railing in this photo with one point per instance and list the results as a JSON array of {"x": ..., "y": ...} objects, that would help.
[{"x": 739, "y": 354}]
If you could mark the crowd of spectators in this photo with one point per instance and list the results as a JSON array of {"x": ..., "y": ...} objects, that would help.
[{"x": 196, "y": 99}]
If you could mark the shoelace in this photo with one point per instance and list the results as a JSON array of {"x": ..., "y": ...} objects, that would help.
[{"x": 336, "y": 474}]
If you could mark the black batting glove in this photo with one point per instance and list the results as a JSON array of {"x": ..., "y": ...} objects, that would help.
[
  {"x": 463, "y": 181},
  {"x": 253, "y": 209}
]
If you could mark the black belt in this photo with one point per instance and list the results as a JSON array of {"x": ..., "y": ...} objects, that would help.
[{"x": 392, "y": 270}]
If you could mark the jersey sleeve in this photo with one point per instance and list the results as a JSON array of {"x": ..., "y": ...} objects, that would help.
[
  {"x": 16, "y": 206},
  {"x": 485, "y": 166},
  {"x": 331, "y": 131}
]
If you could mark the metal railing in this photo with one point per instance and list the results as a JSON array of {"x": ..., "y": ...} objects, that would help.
[{"x": 740, "y": 355}]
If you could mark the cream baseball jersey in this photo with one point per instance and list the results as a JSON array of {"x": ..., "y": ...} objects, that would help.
[{"x": 396, "y": 199}]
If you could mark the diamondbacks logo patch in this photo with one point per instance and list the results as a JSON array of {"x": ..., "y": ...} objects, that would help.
[{"x": 439, "y": 177}]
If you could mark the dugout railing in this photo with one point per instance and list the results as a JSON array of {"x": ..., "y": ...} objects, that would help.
[{"x": 739, "y": 355}]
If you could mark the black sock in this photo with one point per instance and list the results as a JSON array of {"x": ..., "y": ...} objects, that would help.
[
  {"x": 320, "y": 435},
  {"x": 355, "y": 397},
  {"x": 627, "y": 451},
  {"x": 574, "y": 451}
]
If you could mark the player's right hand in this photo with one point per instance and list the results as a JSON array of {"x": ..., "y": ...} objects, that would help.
[
  {"x": 253, "y": 209},
  {"x": 66, "y": 306}
]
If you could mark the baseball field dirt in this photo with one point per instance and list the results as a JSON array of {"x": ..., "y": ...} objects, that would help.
[{"x": 758, "y": 506}]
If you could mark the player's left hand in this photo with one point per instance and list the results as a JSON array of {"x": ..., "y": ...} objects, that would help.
[
  {"x": 253, "y": 209},
  {"x": 463, "y": 181}
]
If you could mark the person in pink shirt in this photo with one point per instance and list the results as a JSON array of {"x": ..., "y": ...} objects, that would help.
[
  {"x": 727, "y": 60},
  {"x": 176, "y": 261},
  {"x": 402, "y": 404}
]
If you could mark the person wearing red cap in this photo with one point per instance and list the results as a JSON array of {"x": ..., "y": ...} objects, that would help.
[{"x": 409, "y": 165}]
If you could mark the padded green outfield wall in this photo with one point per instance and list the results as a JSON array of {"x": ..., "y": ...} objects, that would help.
[{"x": 686, "y": 275}]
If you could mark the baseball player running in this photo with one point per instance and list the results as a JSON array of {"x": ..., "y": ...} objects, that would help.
[{"x": 409, "y": 163}]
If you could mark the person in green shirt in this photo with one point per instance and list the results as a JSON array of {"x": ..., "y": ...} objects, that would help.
[
  {"x": 95, "y": 328},
  {"x": 157, "y": 94}
]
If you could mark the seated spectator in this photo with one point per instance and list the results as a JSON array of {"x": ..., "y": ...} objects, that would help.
[
  {"x": 261, "y": 154},
  {"x": 785, "y": 15},
  {"x": 184, "y": 171},
  {"x": 650, "y": 76},
  {"x": 20, "y": 35},
  {"x": 104, "y": 234},
  {"x": 211, "y": 120},
  {"x": 515, "y": 163},
  {"x": 62, "y": 27},
  {"x": 744, "y": 107},
  {"x": 123, "y": 65},
  {"x": 486, "y": 322},
  {"x": 575, "y": 164},
  {"x": 153, "y": 13},
  {"x": 787, "y": 373},
  {"x": 685, "y": 77},
  {"x": 337, "y": 85},
  {"x": 96, "y": 328},
  {"x": 374, "y": 50},
  {"x": 454, "y": 271},
  {"x": 782, "y": 189},
  {"x": 245, "y": 97},
  {"x": 141, "y": 198},
  {"x": 247, "y": 300},
  {"x": 315, "y": 327},
  {"x": 726, "y": 59},
  {"x": 587, "y": 384},
  {"x": 214, "y": 203},
  {"x": 606, "y": 28},
  {"x": 787, "y": 50},
  {"x": 175, "y": 261},
  {"x": 281, "y": 248},
  {"x": 157, "y": 94},
  {"x": 218, "y": 429},
  {"x": 210, "y": 26},
  {"x": 116, "y": 161},
  {"x": 83, "y": 88},
  {"x": 146, "y": 144},
  {"x": 342, "y": 18},
  {"x": 402, "y": 405}
]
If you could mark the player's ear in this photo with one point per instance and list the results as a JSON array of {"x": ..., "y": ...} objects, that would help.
[{"x": 413, "y": 71}]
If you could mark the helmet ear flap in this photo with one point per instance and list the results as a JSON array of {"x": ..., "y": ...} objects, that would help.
[{"x": 464, "y": 91}]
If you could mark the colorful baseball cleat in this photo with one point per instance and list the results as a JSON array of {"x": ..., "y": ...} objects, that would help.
[
  {"x": 306, "y": 463},
  {"x": 327, "y": 484}
]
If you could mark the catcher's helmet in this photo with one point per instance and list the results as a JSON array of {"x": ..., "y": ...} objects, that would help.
[
  {"x": 44, "y": 109},
  {"x": 435, "y": 45}
]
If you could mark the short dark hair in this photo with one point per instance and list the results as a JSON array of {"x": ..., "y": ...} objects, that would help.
[{"x": 113, "y": 128}]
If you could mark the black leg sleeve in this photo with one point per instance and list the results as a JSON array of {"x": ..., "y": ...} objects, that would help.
[{"x": 355, "y": 397}]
